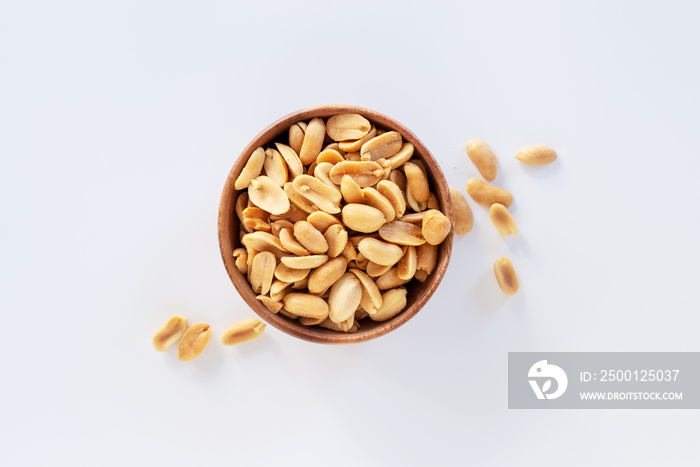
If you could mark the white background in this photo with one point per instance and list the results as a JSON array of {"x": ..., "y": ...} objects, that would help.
[{"x": 119, "y": 122}]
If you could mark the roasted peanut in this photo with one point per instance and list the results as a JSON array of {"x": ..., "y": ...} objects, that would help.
[
  {"x": 322, "y": 220},
  {"x": 503, "y": 220},
  {"x": 272, "y": 305},
  {"x": 486, "y": 194},
  {"x": 326, "y": 275},
  {"x": 294, "y": 165},
  {"x": 262, "y": 273},
  {"x": 355, "y": 146},
  {"x": 275, "y": 166},
  {"x": 371, "y": 296},
  {"x": 296, "y": 137},
  {"x": 345, "y": 127},
  {"x": 310, "y": 238},
  {"x": 483, "y": 158},
  {"x": 436, "y": 226},
  {"x": 402, "y": 233},
  {"x": 304, "y": 262},
  {"x": 313, "y": 141},
  {"x": 402, "y": 156},
  {"x": 344, "y": 298},
  {"x": 332, "y": 156},
  {"x": 251, "y": 170},
  {"x": 406, "y": 267},
  {"x": 286, "y": 274},
  {"x": 337, "y": 238},
  {"x": 290, "y": 243},
  {"x": 279, "y": 288},
  {"x": 310, "y": 306},
  {"x": 193, "y": 342},
  {"x": 348, "y": 325},
  {"x": 393, "y": 302},
  {"x": 365, "y": 173},
  {"x": 241, "y": 256},
  {"x": 351, "y": 191},
  {"x": 382, "y": 253},
  {"x": 538, "y": 155},
  {"x": 267, "y": 195},
  {"x": 322, "y": 172},
  {"x": 383, "y": 146},
  {"x": 170, "y": 333},
  {"x": 326, "y": 198},
  {"x": 392, "y": 192},
  {"x": 464, "y": 220},
  {"x": 363, "y": 218},
  {"x": 243, "y": 331},
  {"x": 299, "y": 201},
  {"x": 426, "y": 257},
  {"x": 506, "y": 277},
  {"x": 263, "y": 241},
  {"x": 390, "y": 280},
  {"x": 416, "y": 182},
  {"x": 374, "y": 270}
]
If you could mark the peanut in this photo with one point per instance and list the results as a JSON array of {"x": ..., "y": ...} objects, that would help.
[
  {"x": 267, "y": 195},
  {"x": 193, "y": 342},
  {"x": 379, "y": 252},
  {"x": 355, "y": 146},
  {"x": 436, "y": 226},
  {"x": 290, "y": 156},
  {"x": 483, "y": 158},
  {"x": 313, "y": 141},
  {"x": 242, "y": 332},
  {"x": 345, "y": 127},
  {"x": 506, "y": 277},
  {"x": 486, "y": 194},
  {"x": 262, "y": 273},
  {"x": 310, "y": 306},
  {"x": 393, "y": 302},
  {"x": 170, "y": 333},
  {"x": 383, "y": 146},
  {"x": 538, "y": 155},
  {"x": 251, "y": 169},
  {"x": 344, "y": 298},
  {"x": 326, "y": 275},
  {"x": 365, "y": 173},
  {"x": 464, "y": 219},
  {"x": 503, "y": 220},
  {"x": 416, "y": 182},
  {"x": 402, "y": 233},
  {"x": 272, "y": 305},
  {"x": 304, "y": 262},
  {"x": 362, "y": 218},
  {"x": 275, "y": 167}
]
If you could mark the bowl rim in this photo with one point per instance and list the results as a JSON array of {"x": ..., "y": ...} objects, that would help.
[{"x": 227, "y": 213}]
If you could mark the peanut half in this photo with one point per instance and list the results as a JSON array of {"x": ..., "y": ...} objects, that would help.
[
  {"x": 486, "y": 194},
  {"x": 243, "y": 331},
  {"x": 483, "y": 158},
  {"x": 345, "y": 127},
  {"x": 464, "y": 219},
  {"x": 503, "y": 220},
  {"x": 170, "y": 333},
  {"x": 436, "y": 226},
  {"x": 506, "y": 277},
  {"x": 538, "y": 155},
  {"x": 193, "y": 342}
]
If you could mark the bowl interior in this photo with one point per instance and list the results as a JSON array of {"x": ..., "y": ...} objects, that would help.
[{"x": 418, "y": 293}]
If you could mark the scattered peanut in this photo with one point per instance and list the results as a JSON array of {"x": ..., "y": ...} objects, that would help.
[
  {"x": 486, "y": 194},
  {"x": 242, "y": 332},
  {"x": 506, "y": 277},
  {"x": 193, "y": 342},
  {"x": 503, "y": 220},
  {"x": 483, "y": 158},
  {"x": 170, "y": 333},
  {"x": 538, "y": 155}
]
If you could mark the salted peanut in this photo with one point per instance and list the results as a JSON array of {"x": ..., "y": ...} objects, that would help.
[
  {"x": 326, "y": 198},
  {"x": 363, "y": 218},
  {"x": 267, "y": 195},
  {"x": 251, "y": 170},
  {"x": 275, "y": 166},
  {"x": 240, "y": 256},
  {"x": 311, "y": 321},
  {"x": 402, "y": 156},
  {"x": 355, "y": 146},
  {"x": 390, "y": 280},
  {"x": 302, "y": 284},
  {"x": 399, "y": 179},
  {"x": 506, "y": 277},
  {"x": 313, "y": 141},
  {"x": 413, "y": 203},
  {"x": 287, "y": 314},
  {"x": 243, "y": 331},
  {"x": 413, "y": 218},
  {"x": 417, "y": 182},
  {"x": 277, "y": 227},
  {"x": 263, "y": 272},
  {"x": 351, "y": 191},
  {"x": 304, "y": 262},
  {"x": 392, "y": 192},
  {"x": 426, "y": 258},
  {"x": 290, "y": 243},
  {"x": 294, "y": 165},
  {"x": 310, "y": 238},
  {"x": 298, "y": 200},
  {"x": 348, "y": 325},
  {"x": 464, "y": 220},
  {"x": 402, "y": 233},
  {"x": 538, "y": 155},
  {"x": 322, "y": 172},
  {"x": 251, "y": 256},
  {"x": 272, "y": 305},
  {"x": 293, "y": 215},
  {"x": 383, "y": 146},
  {"x": 302, "y": 304},
  {"x": 353, "y": 156},
  {"x": 421, "y": 275},
  {"x": 255, "y": 218},
  {"x": 325, "y": 275},
  {"x": 371, "y": 296},
  {"x": 349, "y": 252},
  {"x": 436, "y": 226},
  {"x": 193, "y": 342},
  {"x": 170, "y": 333},
  {"x": 346, "y": 127},
  {"x": 344, "y": 298},
  {"x": 483, "y": 158},
  {"x": 329, "y": 155},
  {"x": 486, "y": 194},
  {"x": 393, "y": 302},
  {"x": 361, "y": 262},
  {"x": 279, "y": 288},
  {"x": 503, "y": 220},
  {"x": 337, "y": 238},
  {"x": 296, "y": 137},
  {"x": 380, "y": 252},
  {"x": 286, "y": 274},
  {"x": 433, "y": 202},
  {"x": 241, "y": 205},
  {"x": 321, "y": 220},
  {"x": 263, "y": 241},
  {"x": 365, "y": 173},
  {"x": 377, "y": 200},
  {"x": 375, "y": 270},
  {"x": 406, "y": 268}
]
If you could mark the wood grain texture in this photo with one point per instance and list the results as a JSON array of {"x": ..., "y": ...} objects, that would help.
[{"x": 418, "y": 293}]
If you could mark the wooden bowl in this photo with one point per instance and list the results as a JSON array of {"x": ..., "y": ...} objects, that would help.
[{"x": 418, "y": 293}]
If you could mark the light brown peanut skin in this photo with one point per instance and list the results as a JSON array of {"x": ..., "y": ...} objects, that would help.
[
  {"x": 169, "y": 333},
  {"x": 506, "y": 277},
  {"x": 193, "y": 342},
  {"x": 503, "y": 220},
  {"x": 536, "y": 155},
  {"x": 486, "y": 194},
  {"x": 483, "y": 158}
]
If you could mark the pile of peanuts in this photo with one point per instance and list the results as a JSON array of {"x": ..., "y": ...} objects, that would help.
[
  {"x": 497, "y": 199},
  {"x": 335, "y": 223}
]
